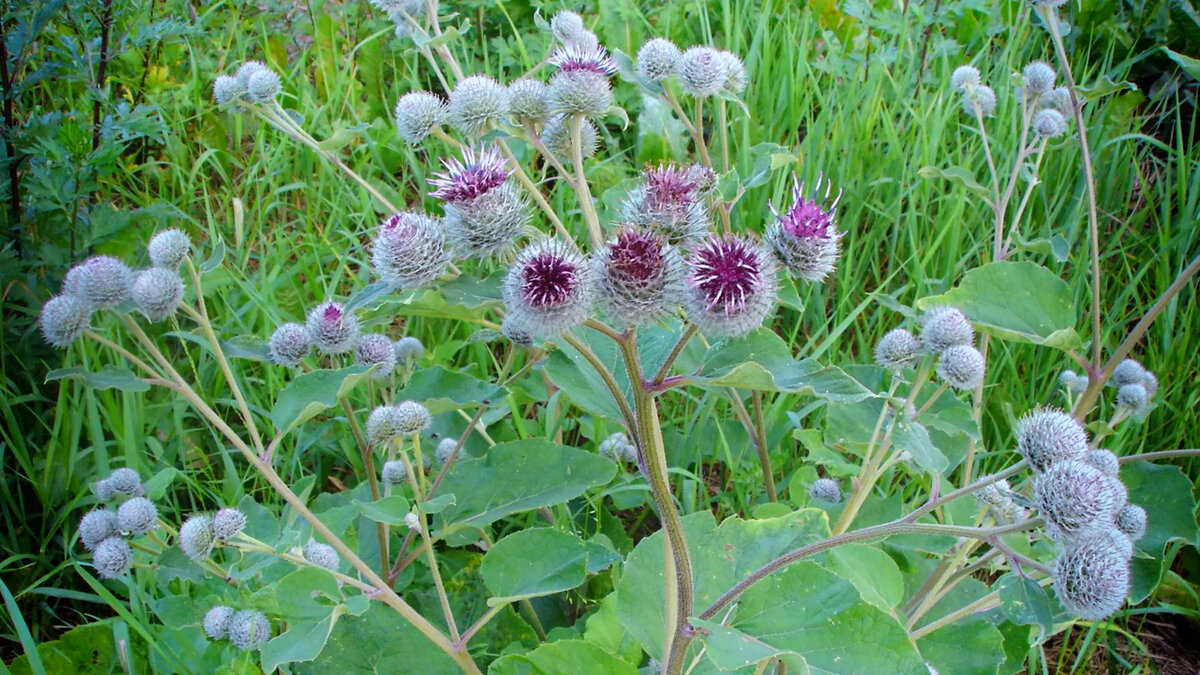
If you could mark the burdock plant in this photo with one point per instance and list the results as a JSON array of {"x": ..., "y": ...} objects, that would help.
[{"x": 592, "y": 316}]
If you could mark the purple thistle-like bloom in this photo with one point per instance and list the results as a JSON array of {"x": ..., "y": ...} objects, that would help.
[
  {"x": 331, "y": 329},
  {"x": 478, "y": 173},
  {"x": 409, "y": 250},
  {"x": 639, "y": 277},
  {"x": 485, "y": 212},
  {"x": 549, "y": 289},
  {"x": 670, "y": 203},
  {"x": 805, "y": 237},
  {"x": 731, "y": 285},
  {"x": 575, "y": 57}
]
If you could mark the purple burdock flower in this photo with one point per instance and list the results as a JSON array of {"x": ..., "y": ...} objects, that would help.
[
  {"x": 485, "y": 213},
  {"x": 730, "y": 286},
  {"x": 670, "y": 203},
  {"x": 331, "y": 329},
  {"x": 549, "y": 289},
  {"x": 639, "y": 277},
  {"x": 581, "y": 86},
  {"x": 409, "y": 250},
  {"x": 805, "y": 238}
]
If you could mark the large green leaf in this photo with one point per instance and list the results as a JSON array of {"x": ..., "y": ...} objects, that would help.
[
  {"x": 763, "y": 361},
  {"x": 311, "y": 393},
  {"x": 1020, "y": 301},
  {"x": 379, "y": 641},
  {"x": 1024, "y": 601},
  {"x": 721, "y": 556},
  {"x": 873, "y": 572},
  {"x": 1166, "y": 494},
  {"x": 730, "y": 649},
  {"x": 534, "y": 562},
  {"x": 518, "y": 476},
  {"x": 574, "y": 657},
  {"x": 441, "y": 390},
  {"x": 88, "y": 649},
  {"x": 971, "y": 647},
  {"x": 808, "y": 610}
]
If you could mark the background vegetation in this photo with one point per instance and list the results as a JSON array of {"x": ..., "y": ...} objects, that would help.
[{"x": 109, "y": 134}]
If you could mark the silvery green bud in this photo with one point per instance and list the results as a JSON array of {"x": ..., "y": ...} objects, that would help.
[
  {"x": 961, "y": 367},
  {"x": 168, "y": 248},
  {"x": 1039, "y": 78},
  {"x": 999, "y": 501},
  {"x": 331, "y": 329},
  {"x": 249, "y": 630},
  {"x": 825, "y": 489},
  {"x": 1091, "y": 578},
  {"x": 412, "y": 520},
  {"x": 408, "y": 351},
  {"x": 103, "y": 282},
  {"x": 412, "y": 417},
  {"x": 216, "y": 622},
  {"x": 1049, "y": 123},
  {"x": 228, "y": 523},
  {"x": 417, "y": 113},
  {"x": 527, "y": 102},
  {"x": 1132, "y": 397},
  {"x": 248, "y": 70},
  {"x": 566, "y": 25},
  {"x": 104, "y": 490},
  {"x": 409, "y": 250},
  {"x": 735, "y": 69},
  {"x": 263, "y": 86},
  {"x": 196, "y": 536},
  {"x": 1046, "y": 436},
  {"x": 585, "y": 40},
  {"x": 384, "y": 424},
  {"x": 1104, "y": 461},
  {"x": 125, "y": 481},
  {"x": 1128, "y": 372},
  {"x": 516, "y": 333},
  {"x": 943, "y": 327},
  {"x": 1076, "y": 499},
  {"x": 137, "y": 516},
  {"x": 445, "y": 448},
  {"x": 701, "y": 71},
  {"x": 376, "y": 350},
  {"x": 289, "y": 344},
  {"x": 96, "y": 526},
  {"x": 556, "y": 136},
  {"x": 1150, "y": 382},
  {"x": 227, "y": 90},
  {"x": 657, "y": 59},
  {"x": 63, "y": 320},
  {"x": 157, "y": 292},
  {"x": 1073, "y": 382},
  {"x": 581, "y": 86},
  {"x": 476, "y": 102},
  {"x": 964, "y": 78},
  {"x": 619, "y": 448},
  {"x": 394, "y": 472},
  {"x": 981, "y": 97},
  {"x": 321, "y": 555},
  {"x": 1060, "y": 99},
  {"x": 1131, "y": 521},
  {"x": 897, "y": 350},
  {"x": 112, "y": 557}
]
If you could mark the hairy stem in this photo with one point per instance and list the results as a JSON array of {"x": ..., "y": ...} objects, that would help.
[{"x": 760, "y": 442}]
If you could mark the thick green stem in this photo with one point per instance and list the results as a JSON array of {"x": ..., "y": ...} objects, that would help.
[{"x": 581, "y": 185}]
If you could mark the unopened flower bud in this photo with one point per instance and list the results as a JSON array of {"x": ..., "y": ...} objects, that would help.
[
  {"x": 394, "y": 472},
  {"x": 897, "y": 349},
  {"x": 126, "y": 481},
  {"x": 445, "y": 449},
  {"x": 527, "y": 102},
  {"x": 1132, "y": 397},
  {"x": 961, "y": 367},
  {"x": 943, "y": 327},
  {"x": 619, "y": 448},
  {"x": 408, "y": 351},
  {"x": 1046, "y": 436},
  {"x": 332, "y": 329},
  {"x": 321, "y": 555},
  {"x": 566, "y": 25},
  {"x": 1104, "y": 461},
  {"x": 964, "y": 78},
  {"x": 216, "y": 622},
  {"x": 1075, "y": 499},
  {"x": 158, "y": 292},
  {"x": 825, "y": 489},
  {"x": 1049, "y": 123},
  {"x": 96, "y": 526},
  {"x": 289, "y": 344},
  {"x": 657, "y": 59},
  {"x": 475, "y": 102},
  {"x": 168, "y": 248},
  {"x": 1039, "y": 78},
  {"x": 981, "y": 98},
  {"x": 112, "y": 558},
  {"x": 64, "y": 319},
  {"x": 228, "y": 523},
  {"x": 196, "y": 536},
  {"x": 263, "y": 86},
  {"x": 701, "y": 71},
  {"x": 249, "y": 630},
  {"x": 1131, "y": 521},
  {"x": 417, "y": 113},
  {"x": 1091, "y": 578},
  {"x": 412, "y": 417},
  {"x": 137, "y": 516},
  {"x": 376, "y": 350}
]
